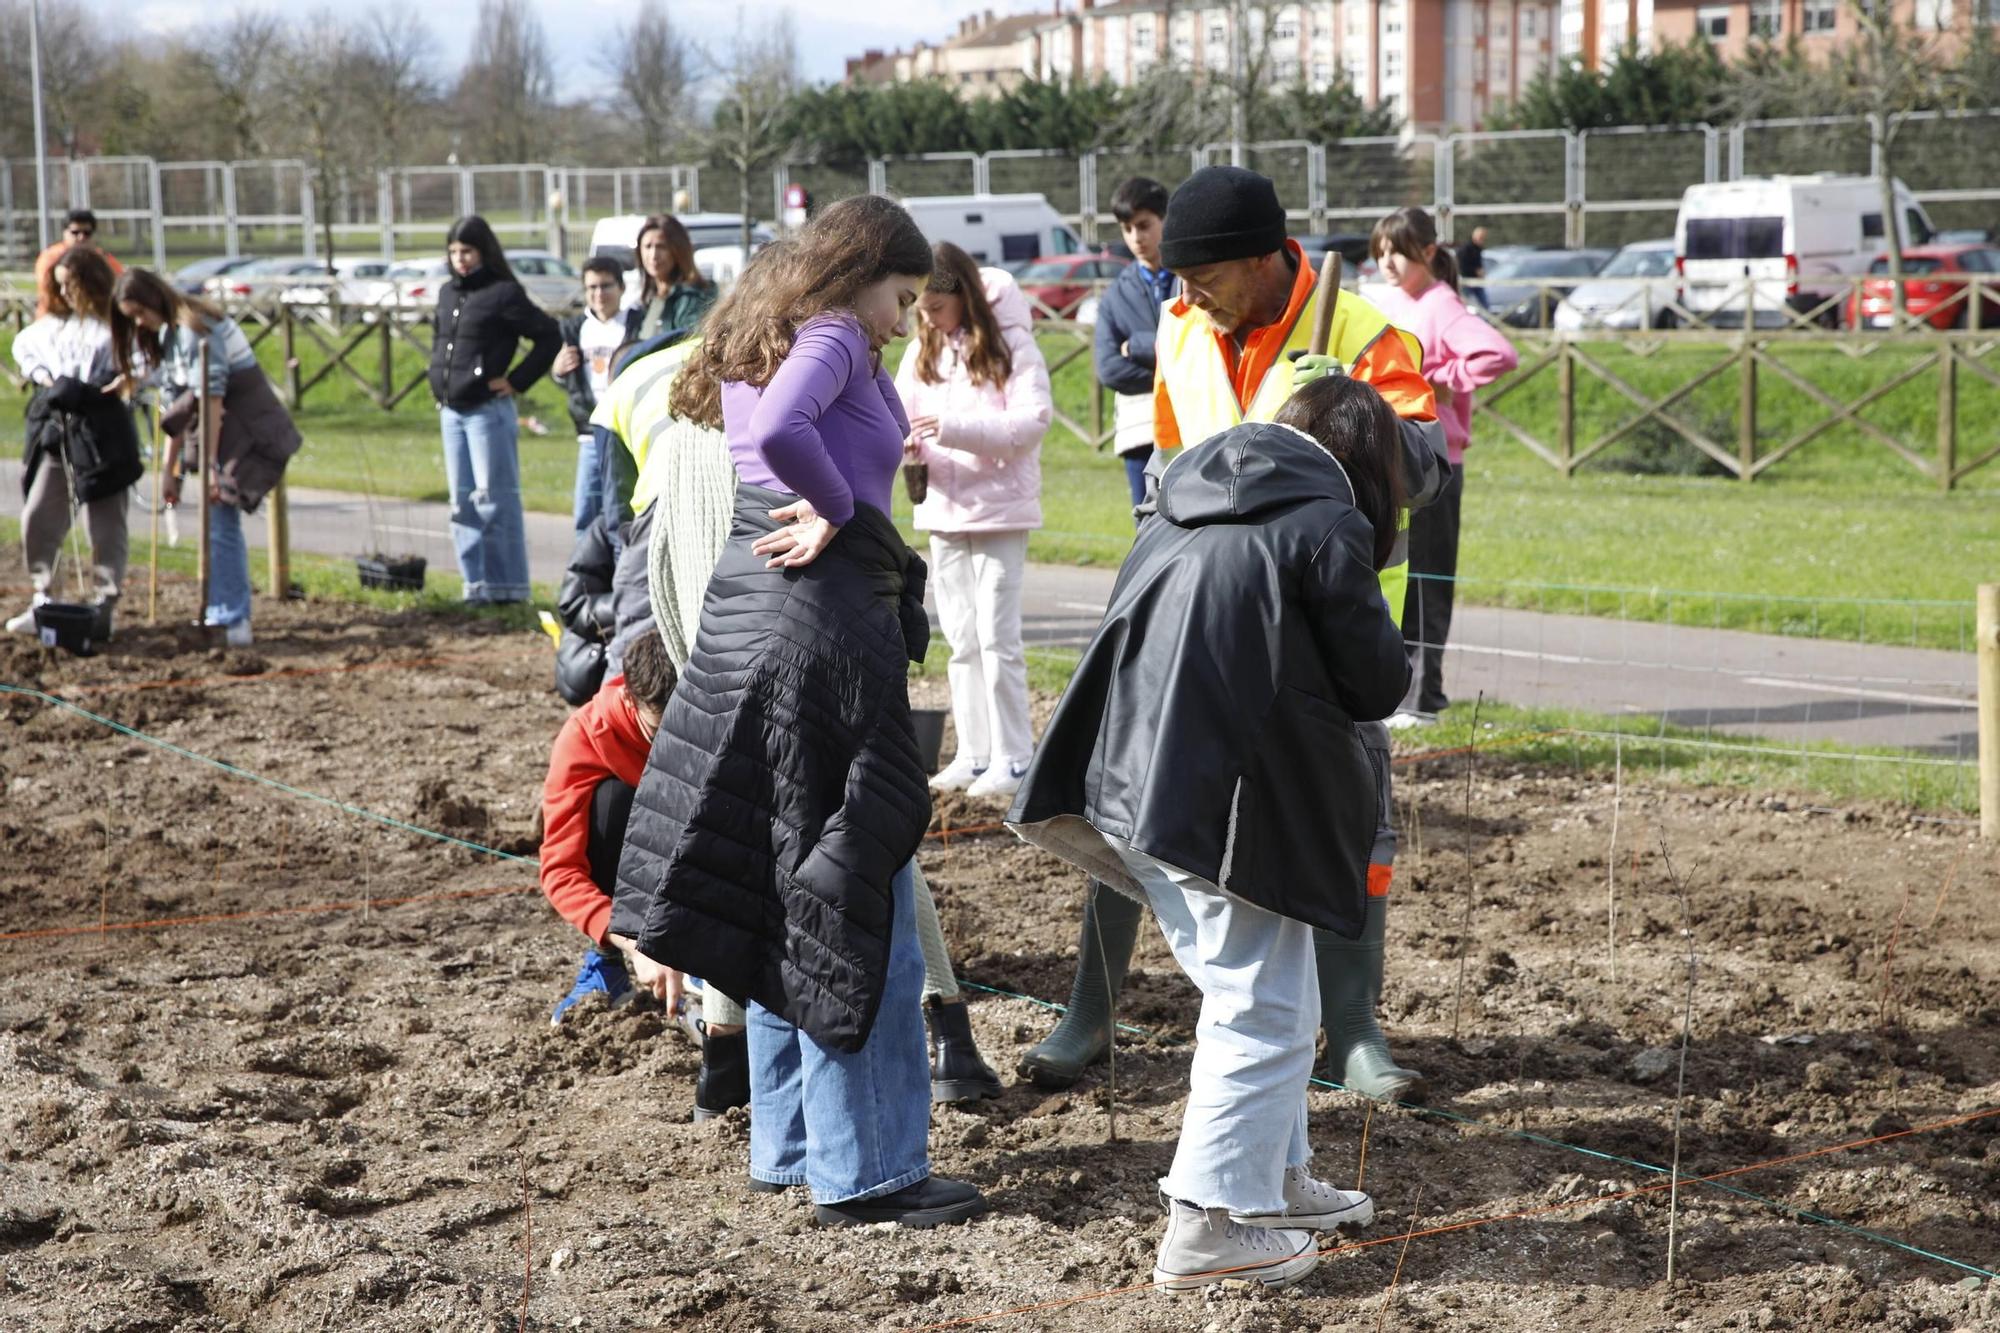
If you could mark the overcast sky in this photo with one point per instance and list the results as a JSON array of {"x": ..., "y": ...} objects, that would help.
[{"x": 829, "y": 30}]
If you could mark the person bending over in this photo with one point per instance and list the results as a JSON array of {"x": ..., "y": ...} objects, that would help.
[
  {"x": 595, "y": 769},
  {"x": 1205, "y": 760}
]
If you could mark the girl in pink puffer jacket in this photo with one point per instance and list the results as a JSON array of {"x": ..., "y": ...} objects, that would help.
[{"x": 977, "y": 392}]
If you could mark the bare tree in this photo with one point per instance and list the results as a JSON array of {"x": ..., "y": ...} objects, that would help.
[
  {"x": 317, "y": 64},
  {"x": 239, "y": 56},
  {"x": 751, "y": 132},
  {"x": 507, "y": 89},
  {"x": 651, "y": 70},
  {"x": 394, "y": 59}
]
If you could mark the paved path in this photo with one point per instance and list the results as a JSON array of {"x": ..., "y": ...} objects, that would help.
[{"x": 1732, "y": 681}]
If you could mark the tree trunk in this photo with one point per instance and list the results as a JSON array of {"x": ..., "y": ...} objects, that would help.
[
  {"x": 748, "y": 156},
  {"x": 1892, "y": 235}
]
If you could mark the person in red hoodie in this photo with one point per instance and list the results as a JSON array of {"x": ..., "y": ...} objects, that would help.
[{"x": 595, "y": 768}]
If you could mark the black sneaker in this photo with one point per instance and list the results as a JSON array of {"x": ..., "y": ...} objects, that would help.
[{"x": 928, "y": 1203}]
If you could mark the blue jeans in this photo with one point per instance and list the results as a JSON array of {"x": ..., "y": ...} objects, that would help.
[
  {"x": 482, "y": 464},
  {"x": 1135, "y": 472},
  {"x": 848, "y": 1126},
  {"x": 589, "y": 481},
  {"x": 228, "y": 567}
]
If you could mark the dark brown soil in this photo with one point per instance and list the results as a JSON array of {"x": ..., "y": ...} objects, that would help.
[{"x": 337, "y": 1110}]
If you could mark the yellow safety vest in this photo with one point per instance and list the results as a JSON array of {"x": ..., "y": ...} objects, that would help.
[
  {"x": 634, "y": 409},
  {"x": 1204, "y": 396}
]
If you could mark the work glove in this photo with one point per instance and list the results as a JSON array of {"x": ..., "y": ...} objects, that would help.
[{"x": 1310, "y": 367}]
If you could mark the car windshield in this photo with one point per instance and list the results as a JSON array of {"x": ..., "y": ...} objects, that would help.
[
  {"x": 1046, "y": 271},
  {"x": 726, "y": 234},
  {"x": 1911, "y": 264},
  {"x": 419, "y": 270},
  {"x": 1639, "y": 264},
  {"x": 1542, "y": 264}
]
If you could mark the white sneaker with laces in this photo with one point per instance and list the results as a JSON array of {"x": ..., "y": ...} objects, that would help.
[
  {"x": 1408, "y": 720},
  {"x": 1315, "y": 1205},
  {"x": 1204, "y": 1247},
  {"x": 1002, "y": 779},
  {"x": 960, "y": 773},
  {"x": 237, "y": 635}
]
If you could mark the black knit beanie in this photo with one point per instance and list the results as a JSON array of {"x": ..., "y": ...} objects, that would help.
[{"x": 1219, "y": 214}]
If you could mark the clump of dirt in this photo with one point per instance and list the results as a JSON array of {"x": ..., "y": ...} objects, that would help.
[{"x": 321, "y": 1089}]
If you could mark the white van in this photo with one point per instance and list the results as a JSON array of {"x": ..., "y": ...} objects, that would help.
[
  {"x": 717, "y": 237},
  {"x": 999, "y": 229},
  {"x": 1783, "y": 241}
]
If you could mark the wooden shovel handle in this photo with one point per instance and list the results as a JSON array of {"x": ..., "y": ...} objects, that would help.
[{"x": 1324, "y": 300}]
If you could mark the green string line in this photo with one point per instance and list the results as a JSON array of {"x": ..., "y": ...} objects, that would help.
[
  {"x": 259, "y": 778},
  {"x": 1543, "y": 1139}
]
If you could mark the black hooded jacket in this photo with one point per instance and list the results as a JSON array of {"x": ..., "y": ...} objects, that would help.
[
  {"x": 76, "y": 419},
  {"x": 784, "y": 790},
  {"x": 1211, "y": 721}
]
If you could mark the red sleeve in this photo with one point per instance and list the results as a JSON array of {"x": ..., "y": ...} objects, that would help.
[{"x": 574, "y": 772}]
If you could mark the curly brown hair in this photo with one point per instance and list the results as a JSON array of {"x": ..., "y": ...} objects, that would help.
[
  {"x": 853, "y": 244},
  {"x": 985, "y": 354}
]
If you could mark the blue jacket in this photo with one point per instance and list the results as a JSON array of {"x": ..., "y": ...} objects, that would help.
[{"x": 1128, "y": 315}]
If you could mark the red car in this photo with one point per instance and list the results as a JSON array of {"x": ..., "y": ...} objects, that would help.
[
  {"x": 1941, "y": 304},
  {"x": 1063, "y": 282}
]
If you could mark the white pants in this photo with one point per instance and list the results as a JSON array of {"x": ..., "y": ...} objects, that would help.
[
  {"x": 1253, "y": 1054},
  {"x": 977, "y": 577}
]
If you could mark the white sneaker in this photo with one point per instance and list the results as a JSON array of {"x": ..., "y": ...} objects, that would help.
[
  {"x": 1002, "y": 779},
  {"x": 960, "y": 773},
  {"x": 1203, "y": 1247},
  {"x": 1408, "y": 719},
  {"x": 1315, "y": 1205},
  {"x": 25, "y": 622},
  {"x": 237, "y": 635}
]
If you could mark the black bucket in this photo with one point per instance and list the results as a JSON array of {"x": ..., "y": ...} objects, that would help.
[
  {"x": 68, "y": 625},
  {"x": 928, "y": 723}
]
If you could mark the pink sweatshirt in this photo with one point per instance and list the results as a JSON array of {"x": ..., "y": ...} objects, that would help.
[{"x": 1462, "y": 352}]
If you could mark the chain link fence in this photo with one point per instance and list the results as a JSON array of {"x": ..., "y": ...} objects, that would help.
[{"x": 1549, "y": 187}]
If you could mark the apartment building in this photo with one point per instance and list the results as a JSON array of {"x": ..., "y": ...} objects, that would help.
[
  {"x": 1593, "y": 31},
  {"x": 1437, "y": 63}
]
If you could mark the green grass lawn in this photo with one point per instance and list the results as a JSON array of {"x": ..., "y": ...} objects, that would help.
[{"x": 1841, "y": 539}]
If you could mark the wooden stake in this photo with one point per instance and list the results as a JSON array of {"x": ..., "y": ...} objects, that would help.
[
  {"x": 1611, "y": 859},
  {"x": 201, "y": 480},
  {"x": 1989, "y": 710},
  {"x": 153, "y": 563},
  {"x": 1361, "y": 1171},
  {"x": 1416, "y": 1218},
  {"x": 1680, "y": 1088},
  {"x": 1465, "y": 918},
  {"x": 527, "y": 1242}
]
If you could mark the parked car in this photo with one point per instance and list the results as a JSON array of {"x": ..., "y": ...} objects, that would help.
[
  {"x": 1940, "y": 302},
  {"x": 1063, "y": 283},
  {"x": 1965, "y": 236},
  {"x": 547, "y": 278},
  {"x": 1790, "y": 244},
  {"x": 410, "y": 287},
  {"x": 1523, "y": 286},
  {"x": 262, "y": 281},
  {"x": 352, "y": 279},
  {"x": 1630, "y": 292},
  {"x": 191, "y": 279}
]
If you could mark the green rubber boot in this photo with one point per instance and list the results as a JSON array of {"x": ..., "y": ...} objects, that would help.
[
  {"x": 1084, "y": 1035},
  {"x": 1350, "y": 988}
]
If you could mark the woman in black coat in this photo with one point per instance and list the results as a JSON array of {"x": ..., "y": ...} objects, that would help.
[
  {"x": 1205, "y": 760},
  {"x": 482, "y": 316}
]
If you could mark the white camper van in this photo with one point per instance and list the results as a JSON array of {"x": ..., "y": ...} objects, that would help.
[
  {"x": 1783, "y": 241},
  {"x": 999, "y": 229}
]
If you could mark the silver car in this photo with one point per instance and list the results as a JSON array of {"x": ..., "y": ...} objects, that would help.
[{"x": 1633, "y": 291}]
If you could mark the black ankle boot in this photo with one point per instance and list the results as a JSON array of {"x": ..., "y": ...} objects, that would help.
[
  {"x": 724, "y": 1080},
  {"x": 958, "y": 1072}
]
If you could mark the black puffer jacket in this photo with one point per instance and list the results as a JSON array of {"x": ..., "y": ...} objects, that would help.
[
  {"x": 1211, "y": 721},
  {"x": 481, "y": 320},
  {"x": 584, "y": 609},
  {"x": 93, "y": 428},
  {"x": 784, "y": 790}
]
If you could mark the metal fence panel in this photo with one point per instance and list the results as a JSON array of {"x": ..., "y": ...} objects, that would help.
[
  {"x": 1366, "y": 178},
  {"x": 1630, "y": 179},
  {"x": 829, "y": 182},
  {"x": 1802, "y": 147},
  {"x": 1115, "y": 166},
  {"x": 1057, "y": 176},
  {"x": 933, "y": 173}
]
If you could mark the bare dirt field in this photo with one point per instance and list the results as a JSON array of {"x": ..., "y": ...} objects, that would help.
[{"x": 317, "y": 1107}]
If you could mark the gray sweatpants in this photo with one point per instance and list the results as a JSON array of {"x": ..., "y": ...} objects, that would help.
[{"x": 45, "y": 521}]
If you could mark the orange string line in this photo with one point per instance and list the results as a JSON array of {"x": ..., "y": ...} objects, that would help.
[{"x": 1450, "y": 1227}]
